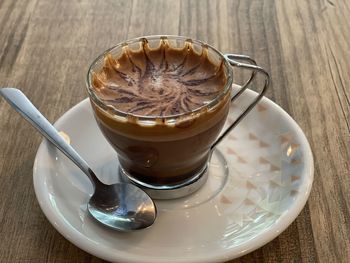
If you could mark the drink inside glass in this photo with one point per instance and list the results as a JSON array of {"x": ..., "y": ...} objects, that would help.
[{"x": 161, "y": 102}]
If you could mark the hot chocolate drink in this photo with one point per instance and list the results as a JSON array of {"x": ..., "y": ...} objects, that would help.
[
  {"x": 161, "y": 107},
  {"x": 160, "y": 82}
]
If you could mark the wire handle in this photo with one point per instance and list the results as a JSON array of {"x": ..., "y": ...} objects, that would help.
[{"x": 234, "y": 59}]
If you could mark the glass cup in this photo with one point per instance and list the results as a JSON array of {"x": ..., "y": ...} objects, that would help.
[{"x": 169, "y": 152}]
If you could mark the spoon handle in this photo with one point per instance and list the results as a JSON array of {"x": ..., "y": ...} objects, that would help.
[{"x": 24, "y": 107}]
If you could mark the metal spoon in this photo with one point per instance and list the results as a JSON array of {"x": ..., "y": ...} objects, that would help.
[{"x": 120, "y": 206}]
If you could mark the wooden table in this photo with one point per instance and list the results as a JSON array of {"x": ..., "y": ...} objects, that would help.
[{"x": 46, "y": 47}]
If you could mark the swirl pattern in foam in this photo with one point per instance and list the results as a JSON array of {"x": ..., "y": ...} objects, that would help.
[{"x": 161, "y": 81}]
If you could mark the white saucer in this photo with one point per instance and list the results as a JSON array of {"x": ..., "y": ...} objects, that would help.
[{"x": 249, "y": 199}]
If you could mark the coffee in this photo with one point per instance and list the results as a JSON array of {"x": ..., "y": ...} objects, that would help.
[
  {"x": 160, "y": 82},
  {"x": 161, "y": 107}
]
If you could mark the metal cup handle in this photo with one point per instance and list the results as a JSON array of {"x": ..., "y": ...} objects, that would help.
[{"x": 232, "y": 59}]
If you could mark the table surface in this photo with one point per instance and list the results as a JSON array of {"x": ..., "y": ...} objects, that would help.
[{"x": 46, "y": 46}]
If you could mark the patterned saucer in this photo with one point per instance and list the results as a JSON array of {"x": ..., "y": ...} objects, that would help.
[{"x": 260, "y": 177}]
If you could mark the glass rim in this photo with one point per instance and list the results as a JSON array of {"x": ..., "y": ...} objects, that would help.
[{"x": 111, "y": 110}]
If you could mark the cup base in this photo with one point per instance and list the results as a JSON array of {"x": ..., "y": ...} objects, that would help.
[{"x": 169, "y": 191}]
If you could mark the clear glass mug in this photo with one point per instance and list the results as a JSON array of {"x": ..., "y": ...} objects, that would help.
[{"x": 172, "y": 151}]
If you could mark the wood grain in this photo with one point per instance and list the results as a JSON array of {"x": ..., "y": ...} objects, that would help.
[{"x": 46, "y": 46}]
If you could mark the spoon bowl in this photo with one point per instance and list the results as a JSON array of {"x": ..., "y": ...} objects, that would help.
[{"x": 122, "y": 206}]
